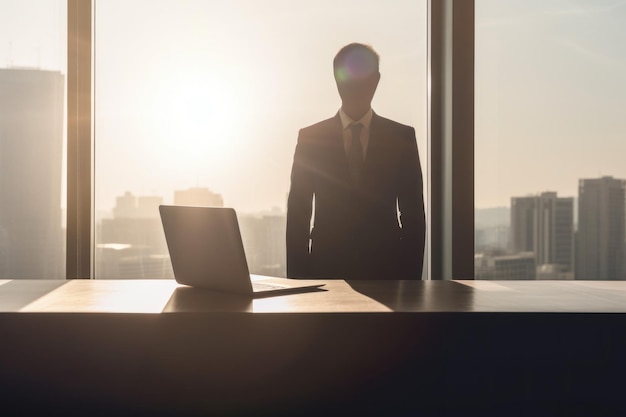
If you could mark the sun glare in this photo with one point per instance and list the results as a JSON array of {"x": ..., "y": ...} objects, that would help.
[{"x": 195, "y": 119}]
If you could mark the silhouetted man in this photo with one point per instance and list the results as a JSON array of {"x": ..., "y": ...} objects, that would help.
[{"x": 359, "y": 176}]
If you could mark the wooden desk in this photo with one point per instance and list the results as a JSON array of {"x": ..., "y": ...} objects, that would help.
[
  {"x": 337, "y": 296},
  {"x": 387, "y": 348}
]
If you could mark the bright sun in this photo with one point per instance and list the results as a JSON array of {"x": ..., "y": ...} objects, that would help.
[{"x": 195, "y": 120}]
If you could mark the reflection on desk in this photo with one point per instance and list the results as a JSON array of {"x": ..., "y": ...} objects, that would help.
[{"x": 337, "y": 296}]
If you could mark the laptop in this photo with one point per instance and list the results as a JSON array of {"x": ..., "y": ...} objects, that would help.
[{"x": 207, "y": 252}]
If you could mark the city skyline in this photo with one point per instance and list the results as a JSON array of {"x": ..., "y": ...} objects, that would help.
[
  {"x": 539, "y": 237},
  {"x": 130, "y": 244}
]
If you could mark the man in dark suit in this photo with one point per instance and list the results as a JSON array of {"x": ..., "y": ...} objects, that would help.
[{"x": 359, "y": 176}]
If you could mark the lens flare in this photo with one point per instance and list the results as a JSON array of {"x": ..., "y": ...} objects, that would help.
[{"x": 357, "y": 65}]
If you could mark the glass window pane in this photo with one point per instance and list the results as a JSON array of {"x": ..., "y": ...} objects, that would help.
[
  {"x": 33, "y": 61},
  {"x": 550, "y": 126},
  {"x": 200, "y": 102}
]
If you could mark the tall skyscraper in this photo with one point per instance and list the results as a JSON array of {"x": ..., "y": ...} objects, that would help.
[
  {"x": 31, "y": 153},
  {"x": 600, "y": 247},
  {"x": 522, "y": 224},
  {"x": 544, "y": 225}
]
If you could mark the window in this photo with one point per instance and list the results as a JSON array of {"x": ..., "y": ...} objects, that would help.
[
  {"x": 550, "y": 94},
  {"x": 403, "y": 95},
  {"x": 200, "y": 102},
  {"x": 33, "y": 51}
]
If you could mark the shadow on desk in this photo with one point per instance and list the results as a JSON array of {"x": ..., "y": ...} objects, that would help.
[
  {"x": 194, "y": 300},
  {"x": 417, "y": 295}
]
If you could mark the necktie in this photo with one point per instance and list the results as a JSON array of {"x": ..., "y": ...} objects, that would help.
[{"x": 355, "y": 157}]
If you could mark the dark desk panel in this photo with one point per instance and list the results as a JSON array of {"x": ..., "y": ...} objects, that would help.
[{"x": 365, "y": 348}]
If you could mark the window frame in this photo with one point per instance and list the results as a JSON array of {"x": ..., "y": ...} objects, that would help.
[
  {"x": 79, "y": 246},
  {"x": 451, "y": 139}
]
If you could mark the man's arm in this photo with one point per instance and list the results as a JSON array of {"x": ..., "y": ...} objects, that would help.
[
  {"x": 299, "y": 208},
  {"x": 411, "y": 207}
]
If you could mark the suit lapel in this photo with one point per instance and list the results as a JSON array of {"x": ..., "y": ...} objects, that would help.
[{"x": 338, "y": 153}]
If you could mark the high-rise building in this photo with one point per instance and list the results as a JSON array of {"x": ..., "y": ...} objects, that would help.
[
  {"x": 600, "y": 247},
  {"x": 505, "y": 267},
  {"x": 522, "y": 224},
  {"x": 264, "y": 242},
  {"x": 31, "y": 154},
  {"x": 544, "y": 225},
  {"x": 198, "y": 196},
  {"x": 132, "y": 244}
]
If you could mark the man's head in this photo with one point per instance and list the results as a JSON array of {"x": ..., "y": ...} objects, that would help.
[{"x": 356, "y": 69}]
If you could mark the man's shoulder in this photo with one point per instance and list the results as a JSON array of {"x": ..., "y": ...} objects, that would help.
[
  {"x": 332, "y": 123},
  {"x": 394, "y": 133},
  {"x": 325, "y": 129},
  {"x": 385, "y": 123}
]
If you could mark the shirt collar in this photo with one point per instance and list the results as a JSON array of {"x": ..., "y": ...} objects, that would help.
[{"x": 365, "y": 120}]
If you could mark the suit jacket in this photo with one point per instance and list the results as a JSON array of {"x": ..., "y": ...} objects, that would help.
[{"x": 357, "y": 232}]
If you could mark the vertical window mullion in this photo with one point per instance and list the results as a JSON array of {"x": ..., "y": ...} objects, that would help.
[
  {"x": 451, "y": 119},
  {"x": 79, "y": 123}
]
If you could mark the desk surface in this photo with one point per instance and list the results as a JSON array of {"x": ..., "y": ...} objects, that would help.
[
  {"x": 337, "y": 296},
  {"x": 456, "y": 348}
]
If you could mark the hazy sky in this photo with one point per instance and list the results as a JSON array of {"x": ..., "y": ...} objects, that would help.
[
  {"x": 212, "y": 93},
  {"x": 550, "y": 96},
  {"x": 33, "y": 33}
]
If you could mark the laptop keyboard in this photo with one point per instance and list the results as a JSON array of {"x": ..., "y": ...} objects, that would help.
[{"x": 265, "y": 286}]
